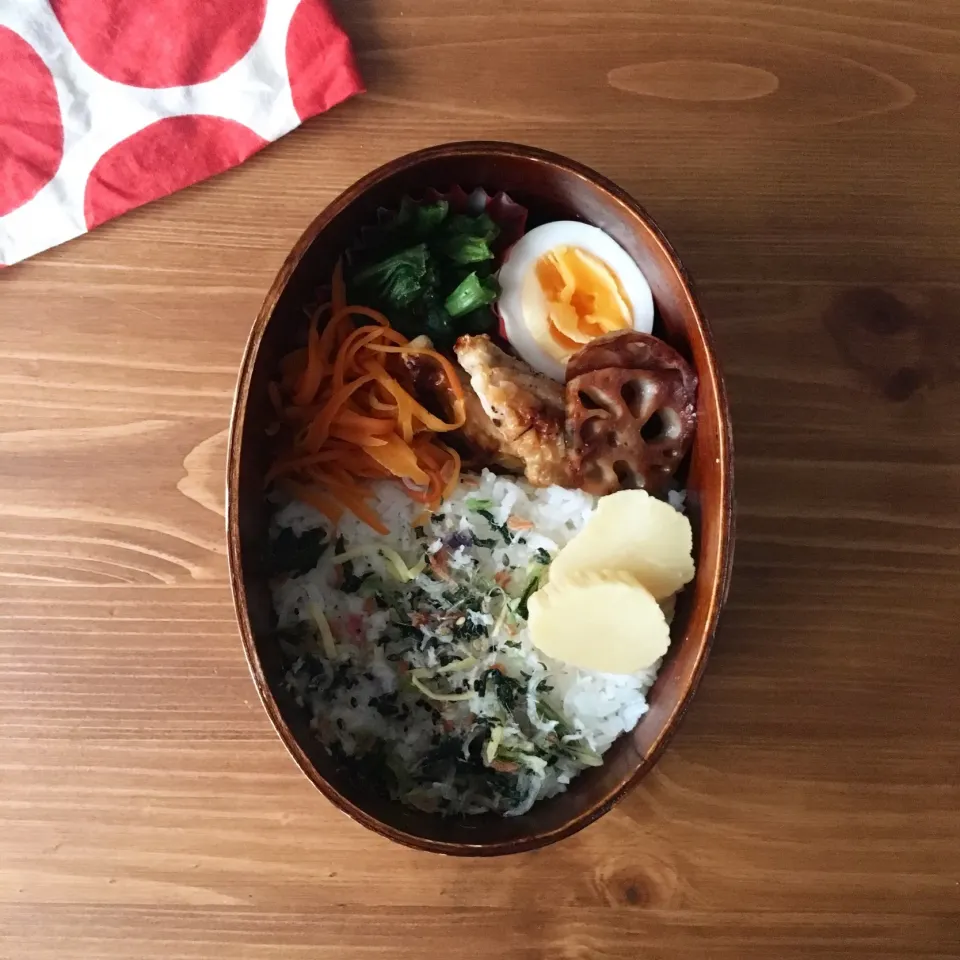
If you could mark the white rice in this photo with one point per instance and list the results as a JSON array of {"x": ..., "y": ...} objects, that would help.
[{"x": 364, "y": 701}]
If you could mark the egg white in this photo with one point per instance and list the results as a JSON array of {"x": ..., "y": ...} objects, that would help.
[{"x": 521, "y": 292}]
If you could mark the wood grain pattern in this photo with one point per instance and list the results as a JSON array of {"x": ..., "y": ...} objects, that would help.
[{"x": 810, "y": 805}]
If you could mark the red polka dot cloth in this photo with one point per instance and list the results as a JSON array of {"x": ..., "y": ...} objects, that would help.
[{"x": 108, "y": 104}]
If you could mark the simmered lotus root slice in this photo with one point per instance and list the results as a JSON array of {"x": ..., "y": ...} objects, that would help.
[
  {"x": 628, "y": 428},
  {"x": 630, "y": 350}
]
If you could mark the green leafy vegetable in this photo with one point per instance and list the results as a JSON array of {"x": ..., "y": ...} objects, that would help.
[
  {"x": 461, "y": 224},
  {"x": 467, "y": 249},
  {"x": 429, "y": 216},
  {"x": 471, "y": 293},
  {"x": 532, "y": 585},
  {"x": 468, "y": 239},
  {"x": 535, "y": 573},
  {"x": 507, "y": 690},
  {"x": 500, "y": 528},
  {"x": 436, "y": 322},
  {"x": 431, "y": 272},
  {"x": 296, "y": 554},
  {"x": 352, "y": 582},
  {"x": 398, "y": 279}
]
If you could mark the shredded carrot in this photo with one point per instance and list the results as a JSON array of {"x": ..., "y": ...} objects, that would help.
[
  {"x": 518, "y": 523},
  {"x": 292, "y": 465},
  {"x": 398, "y": 457},
  {"x": 347, "y": 419},
  {"x": 291, "y": 367},
  {"x": 431, "y": 496},
  {"x": 352, "y": 497},
  {"x": 438, "y": 564},
  {"x": 336, "y": 329},
  {"x": 377, "y": 404},
  {"x": 353, "y": 344},
  {"x": 316, "y": 434},
  {"x": 361, "y": 439},
  {"x": 376, "y": 316},
  {"x": 327, "y": 505},
  {"x": 366, "y": 424},
  {"x": 452, "y": 469},
  {"x": 312, "y": 373}
]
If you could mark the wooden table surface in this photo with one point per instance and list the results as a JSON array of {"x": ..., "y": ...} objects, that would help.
[{"x": 804, "y": 159}]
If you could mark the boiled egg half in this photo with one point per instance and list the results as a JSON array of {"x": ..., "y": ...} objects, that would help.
[{"x": 564, "y": 284}]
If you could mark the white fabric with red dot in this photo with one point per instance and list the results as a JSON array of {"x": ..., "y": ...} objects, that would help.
[{"x": 109, "y": 104}]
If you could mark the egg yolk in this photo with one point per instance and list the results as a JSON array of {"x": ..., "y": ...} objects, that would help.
[{"x": 584, "y": 297}]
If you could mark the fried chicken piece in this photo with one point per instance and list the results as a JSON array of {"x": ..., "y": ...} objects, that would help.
[{"x": 525, "y": 408}]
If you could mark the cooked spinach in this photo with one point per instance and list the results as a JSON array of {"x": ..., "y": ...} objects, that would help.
[
  {"x": 470, "y": 629},
  {"x": 532, "y": 584},
  {"x": 500, "y": 528},
  {"x": 508, "y": 690},
  {"x": 352, "y": 581},
  {"x": 535, "y": 573},
  {"x": 296, "y": 554},
  {"x": 437, "y": 761},
  {"x": 431, "y": 271},
  {"x": 397, "y": 279},
  {"x": 469, "y": 295}
]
